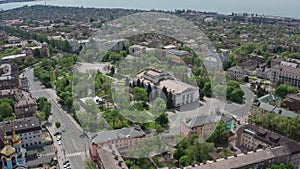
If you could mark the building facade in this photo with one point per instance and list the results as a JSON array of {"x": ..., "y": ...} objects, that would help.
[
  {"x": 237, "y": 72},
  {"x": 292, "y": 102},
  {"x": 12, "y": 155},
  {"x": 9, "y": 75},
  {"x": 252, "y": 138},
  {"x": 201, "y": 126},
  {"x": 123, "y": 139},
  {"x": 182, "y": 93},
  {"x": 285, "y": 72},
  {"x": 25, "y": 104},
  {"x": 28, "y": 129}
]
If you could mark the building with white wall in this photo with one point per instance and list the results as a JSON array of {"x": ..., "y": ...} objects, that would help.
[{"x": 182, "y": 93}]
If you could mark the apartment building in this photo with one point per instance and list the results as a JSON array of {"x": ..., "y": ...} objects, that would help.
[
  {"x": 285, "y": 72},
  {"x": 201, "y": 126},
  {"x": 28, "y": 129},
  {"x": 124, "y": 139},
  {"x": 260, "y": 149},
  {"x": 292, "y": 102}
]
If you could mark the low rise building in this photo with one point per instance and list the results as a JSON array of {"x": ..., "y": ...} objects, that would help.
[
  {"x": 108, "y": 157},
  {"x": 237, "y": 72},
  {"x": 270, "y": 103},
  {"x": 9, "y": 75},
  {"x": 25, "y": 104},
  {"x": 259, "y": 159},
  {"x": 24, "y": 83},
  {"x": 285, "y": 72},
  {"x": 182, "y": 93},
  {"x": 201, "y": 126},
  {"x": 250, "y": 137},
  {"x": 179, "y": 53},
  {"x": 28, "y": 129},
  {"x": 124, "y": 139},
  {"x": 261, "y": 149},
  {"x": 292, "y": 102}
]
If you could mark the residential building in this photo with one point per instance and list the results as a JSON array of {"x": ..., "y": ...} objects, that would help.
[
  {"x": 261, "y": 158},
  {"x": 292, "y": 102},
  {"x": 250, "y": 137},
  {"x": 285, "y": 72},
  {"x": 261, "y": 149},
  {"x": 263, "y": 71},
  {"x": 136, "y": 48},
  {"x": 108, "y": 157},
  {"x": 44, "y": 50},
  {"x": 179, "y": 53},
  {"x": 182, "y": 93},
  {"x": 201, "y": 126},
  {"x": 24, "y": 83},
  {"x": 237, "y": 72},
  {"x": 212, "y": 63},
  {"x": 124, "y": 139},
  {"x": 9, "y": 75},
  {"x": 270, "y": 103},
  {"x": 25, "y": 104},
  {"x": 28, "y": 129}
]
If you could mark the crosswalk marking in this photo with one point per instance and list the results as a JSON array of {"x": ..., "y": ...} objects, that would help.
[{"x": 74, "y": 154}]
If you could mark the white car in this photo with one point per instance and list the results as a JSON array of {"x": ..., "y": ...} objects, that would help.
[
  {"x": 59, "y": 142},
  {"x": 58, "y": 138}
]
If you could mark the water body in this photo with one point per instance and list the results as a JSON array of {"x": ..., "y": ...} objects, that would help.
[{"x": 285, "y": 8}]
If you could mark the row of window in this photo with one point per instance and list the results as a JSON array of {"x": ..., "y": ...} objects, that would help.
[
  {"x": 31, "y": 144},
  {"x": 31, "y": 137}
]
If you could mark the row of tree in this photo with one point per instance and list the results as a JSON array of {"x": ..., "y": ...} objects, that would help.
[{"x": 44, "y": 109}]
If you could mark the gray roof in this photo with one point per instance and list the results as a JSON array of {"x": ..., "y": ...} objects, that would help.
[
  {"x": 269, "y": 108},
  {"x": 105, "y": 136},
  {"x": 111, "y": 158},
  {"x": 200, "y": 120},
  {"x": 268, "y": 98},
  {"x": 23, "y": 125},
  {"x": 243, "y": 160}
]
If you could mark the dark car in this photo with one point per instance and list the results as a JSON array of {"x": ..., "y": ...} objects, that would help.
[{"x": 57, "y": 133}]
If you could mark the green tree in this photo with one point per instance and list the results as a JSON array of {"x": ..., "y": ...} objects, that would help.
[
  {"x": 184, "y": 161},
  {"x": 207, "y": 90},
  {"x": 284, "y": 89},
  {"x": 57, "y": 124},
  {"x": 281, "y": 166},
  {"x": 220, "y": 134},
  {"x": 178, "y": 153},
  {"x": 6, "y": 110},
  {"x": 140, "y": 94},
  {"x": 89, "y": 164}
]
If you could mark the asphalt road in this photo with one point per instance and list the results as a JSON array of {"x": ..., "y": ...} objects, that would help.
[{"x": 75, "y": 147}]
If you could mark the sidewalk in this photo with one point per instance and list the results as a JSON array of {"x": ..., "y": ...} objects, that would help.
[{"x": 58, "y": 149}]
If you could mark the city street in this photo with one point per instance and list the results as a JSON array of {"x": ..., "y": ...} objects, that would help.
[{"x": 75, "y": 147}]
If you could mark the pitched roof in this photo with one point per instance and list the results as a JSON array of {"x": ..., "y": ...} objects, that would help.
[
  {"x": 22, "y": 125},
  {"x": 270, "y": 138},
  {"x": 111, "y": 158},
  {"x": 106, "y": 136},
  {"x": 243, "y": 160},
  {"x": 200, "y": 120}
]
